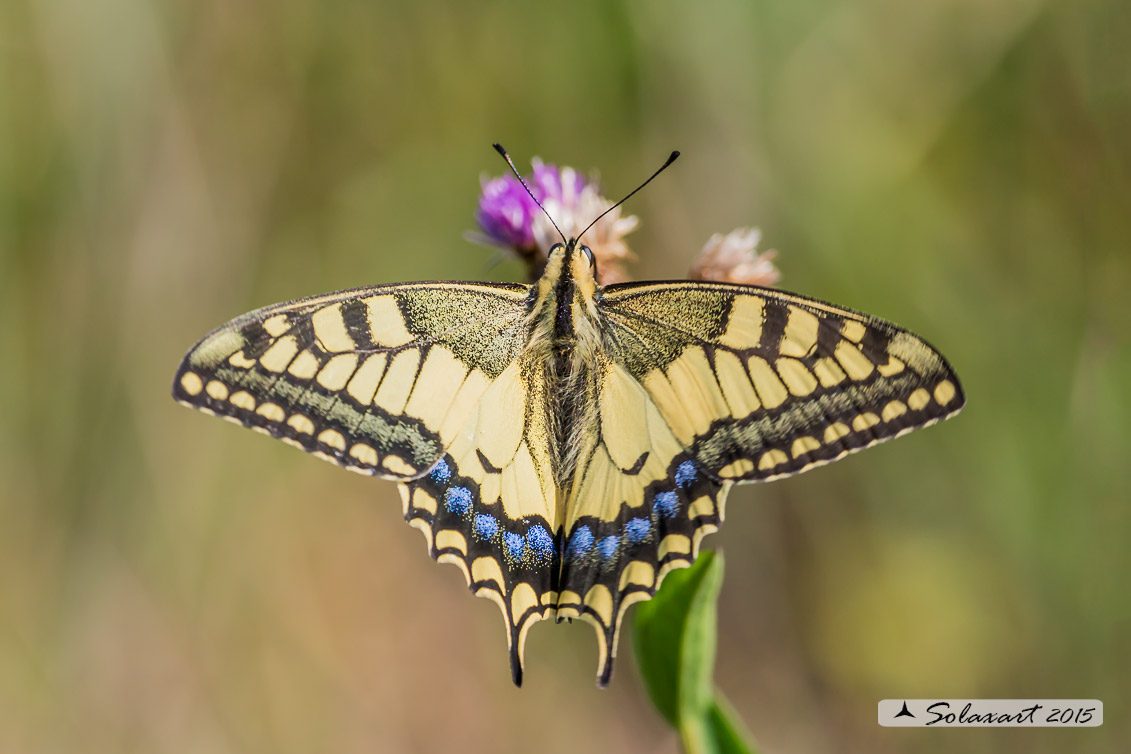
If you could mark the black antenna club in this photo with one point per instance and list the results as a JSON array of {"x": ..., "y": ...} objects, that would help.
[
  {"x": 499, "y": 148},
  {"x": 671, "y": 158}
]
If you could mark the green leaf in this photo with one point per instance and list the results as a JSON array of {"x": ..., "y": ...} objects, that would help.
[
  {"x": 716, "y": 731},
  {"x": 675, "y": 644},
  {"x": 675, "y": 651},
  {"x": 729, "y": 734}
]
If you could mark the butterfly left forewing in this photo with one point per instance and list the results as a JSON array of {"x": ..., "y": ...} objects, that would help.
[{"x": 377, "y": 379}]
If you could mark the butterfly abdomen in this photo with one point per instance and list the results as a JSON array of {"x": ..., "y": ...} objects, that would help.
[{"x": 563, "y": 354}]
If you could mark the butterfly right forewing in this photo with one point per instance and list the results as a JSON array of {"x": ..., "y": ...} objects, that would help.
[{"x": 760, "y": 384}]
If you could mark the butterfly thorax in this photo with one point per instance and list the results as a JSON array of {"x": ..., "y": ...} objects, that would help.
[{"x": 565, "y": 346}]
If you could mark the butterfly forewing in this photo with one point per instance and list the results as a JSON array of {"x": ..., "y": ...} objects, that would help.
[
  {"x": 377, "y": 380},
  {"x": 759, "y": 384}
]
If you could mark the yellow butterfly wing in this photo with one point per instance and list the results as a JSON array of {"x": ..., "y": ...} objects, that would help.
[
  {"x": 489, "y": 505},
  {"x": 639, "y": 506},
  {"x": 422, "y": 383},
  {"x": 710, "y": 384},
  {"x": 377, "y": 380},
  {"x": 761, "y": 384}
]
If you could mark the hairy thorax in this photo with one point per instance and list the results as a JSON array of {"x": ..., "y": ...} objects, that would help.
[{"x": 565, "y": 347}]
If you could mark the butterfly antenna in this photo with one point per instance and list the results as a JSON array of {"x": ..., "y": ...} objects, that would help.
[
  {"x": 671, "y": 158},
  {"x": 499, "y": 148}
]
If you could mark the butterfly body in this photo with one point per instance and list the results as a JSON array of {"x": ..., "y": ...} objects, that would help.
[
  {"x": 566, "y": 445},
  {"x": 566, "y": 343}
]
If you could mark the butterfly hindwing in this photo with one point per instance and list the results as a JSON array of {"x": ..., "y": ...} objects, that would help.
[
  {"x": 758, "y": 384},
  {"x": 639, "y": 507},
  {"x": 489, "y": 505}
]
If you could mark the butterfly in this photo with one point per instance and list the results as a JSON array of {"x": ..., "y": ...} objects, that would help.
[{"x": 564, "y": 444}]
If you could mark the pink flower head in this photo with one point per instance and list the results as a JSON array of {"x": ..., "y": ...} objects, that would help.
[
  {"x": 506, "y": 212},
  {"x": 734, "y": 258}
]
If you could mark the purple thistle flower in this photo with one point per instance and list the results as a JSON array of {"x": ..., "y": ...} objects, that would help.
[
  {"x": 564, "y": 185},
  {"x": 506, "y": 212},
  {"x": 509, "y": 218}
]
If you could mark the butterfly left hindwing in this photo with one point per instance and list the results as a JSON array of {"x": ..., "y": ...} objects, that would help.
[{"x": 489, "y": 505}]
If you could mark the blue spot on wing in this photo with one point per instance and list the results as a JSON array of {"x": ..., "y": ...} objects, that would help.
[
  {"x": 685, "y": 474},
  {"x": 458, "y": 500},
  {"x": 666, "y": 503},
  {"x": 441, "y": 472},
  {"x": 608, "y": 547},
  {"x": 638, "y": 529},
  {"x": 540, "y": 540},
  {"x": 515, "y": 544},
  {"x": 485, "y": 526},
  {"x": 581, "y": 542}
]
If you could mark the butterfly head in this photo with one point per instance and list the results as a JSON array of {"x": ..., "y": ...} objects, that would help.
[
  {"x": 575, "y": 261},
  {"x": 568, "y": 288}
]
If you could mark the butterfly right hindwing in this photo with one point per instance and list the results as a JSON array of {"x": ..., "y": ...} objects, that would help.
[{"x": 639, "y": 506}]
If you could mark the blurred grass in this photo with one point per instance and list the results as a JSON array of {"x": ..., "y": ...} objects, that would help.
[{"x": 171, "y": 583}]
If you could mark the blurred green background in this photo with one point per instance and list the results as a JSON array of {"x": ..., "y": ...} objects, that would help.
[{"x": 171, "y": 583}]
